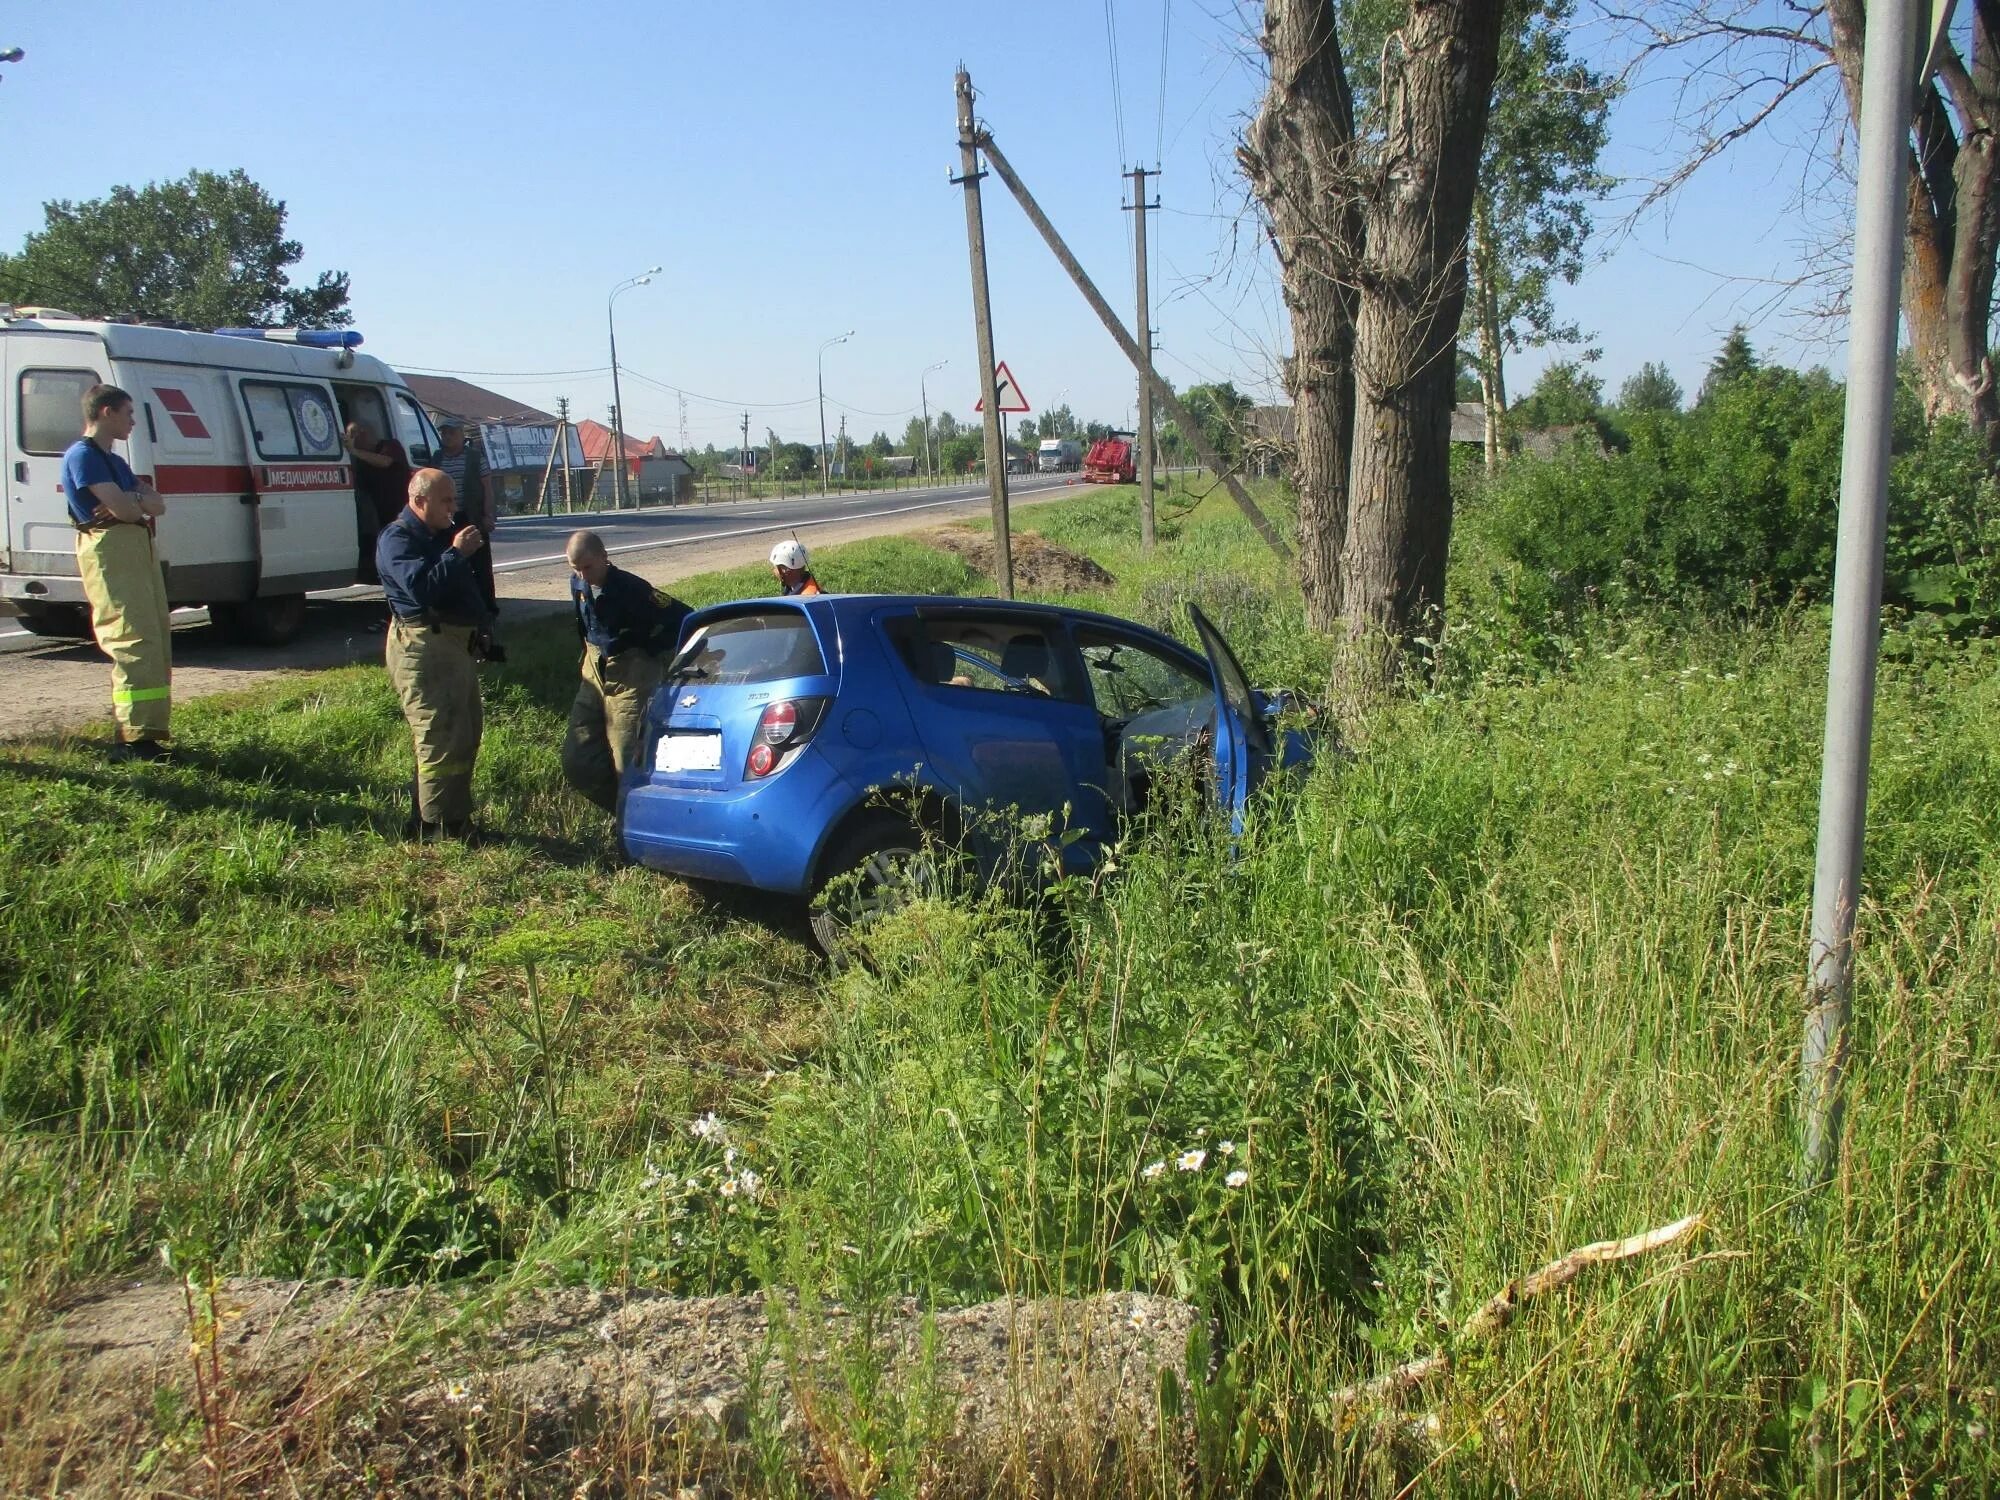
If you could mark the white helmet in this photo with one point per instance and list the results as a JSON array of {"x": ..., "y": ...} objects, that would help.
[{"x": 790, "y": 553}]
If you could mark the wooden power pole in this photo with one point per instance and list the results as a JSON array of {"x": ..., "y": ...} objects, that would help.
[
  {"x": 1138, "y": 209},
  {"x": 1141, "y": 358},
  {"x": 982, "y": 320}
]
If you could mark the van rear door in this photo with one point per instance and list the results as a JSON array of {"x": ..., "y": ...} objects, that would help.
[
  {"x": 307, "y": 536},
  {"x": 45, "y": 382}
]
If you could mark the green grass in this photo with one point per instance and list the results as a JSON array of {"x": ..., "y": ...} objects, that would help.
[{"x": 1523, "y": 974}]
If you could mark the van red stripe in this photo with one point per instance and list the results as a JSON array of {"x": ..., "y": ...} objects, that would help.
[{"x": 202, "y": 479}]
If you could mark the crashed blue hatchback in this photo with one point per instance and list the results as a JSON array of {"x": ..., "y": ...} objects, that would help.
[{"x": 782, "y": 723}]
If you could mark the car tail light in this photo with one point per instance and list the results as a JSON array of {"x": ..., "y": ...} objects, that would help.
[{"x": 782, "y": 731}]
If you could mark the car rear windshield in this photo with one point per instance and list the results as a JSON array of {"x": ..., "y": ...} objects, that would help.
[{"x": 765, "y": 646}]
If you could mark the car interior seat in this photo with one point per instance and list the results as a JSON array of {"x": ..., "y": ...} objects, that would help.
[{"x": 1027, "y": 658}]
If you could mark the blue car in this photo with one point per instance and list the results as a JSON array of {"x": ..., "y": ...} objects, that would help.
[{"x": 782, "y": 722}]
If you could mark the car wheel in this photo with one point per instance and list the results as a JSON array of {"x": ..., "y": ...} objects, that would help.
[
  {"x": 876, "y": 869},
  {"x": 56, "y": 622}
]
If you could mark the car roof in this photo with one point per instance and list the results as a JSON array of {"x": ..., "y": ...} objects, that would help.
[{"x": 845, "y": 607}]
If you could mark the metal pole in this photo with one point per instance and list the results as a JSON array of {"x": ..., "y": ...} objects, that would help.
[
  {"x": 821, "y": 367},
  {"x": 923, "y": 394},
  {"x": 1145, "y": 341},
  {"x": 1142, "y": 359},
  {"x": 1881, "y": 206},
  {"x": 618, "y": 401},
  {"x": 982, "y": 322}
]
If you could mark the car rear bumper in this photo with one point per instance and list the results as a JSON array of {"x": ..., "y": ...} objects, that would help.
[{"x": 763, "y": 834}]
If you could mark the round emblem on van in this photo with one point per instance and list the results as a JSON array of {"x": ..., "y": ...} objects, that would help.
[{"x": 317, "y": 421}]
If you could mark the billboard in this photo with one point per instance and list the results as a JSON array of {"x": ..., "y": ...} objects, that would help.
[{"x": 517, "y": 447}]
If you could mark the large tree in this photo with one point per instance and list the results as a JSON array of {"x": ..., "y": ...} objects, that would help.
[
  {"x": 1369, "y": 217},
  {"x": 1538, "y": 177},
  {"x": 1745, "y": 66},
  {"x": 208, "y": 250}
]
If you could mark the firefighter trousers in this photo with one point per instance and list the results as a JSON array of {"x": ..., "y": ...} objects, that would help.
[
  {"x": 128, "y": 615},
  {"x": 436, "y": 676},
  {"x": 606, "y": 719}
]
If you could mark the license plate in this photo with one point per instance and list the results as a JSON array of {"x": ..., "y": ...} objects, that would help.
[{"x": 688, "y": 752}]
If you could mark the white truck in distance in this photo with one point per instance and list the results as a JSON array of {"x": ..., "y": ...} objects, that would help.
[{"x": 1059, "y": 456}]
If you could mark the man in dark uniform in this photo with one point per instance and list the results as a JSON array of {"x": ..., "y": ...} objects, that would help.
[
  {"x": 436, "y": 622},
  {"x": 629, "y": 631},
  {"x": 467, "y": 468}
]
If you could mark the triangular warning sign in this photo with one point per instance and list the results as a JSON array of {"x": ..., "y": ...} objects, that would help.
[{"x": 1006, "y": 390}]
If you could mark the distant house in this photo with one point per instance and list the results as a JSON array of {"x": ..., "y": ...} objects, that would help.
[
  {"x": 655, "y": 473},
  {"x": 513, "y": 437}
]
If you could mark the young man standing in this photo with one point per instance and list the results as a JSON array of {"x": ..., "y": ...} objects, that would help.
[
  {"x": 629, "y": 631},
  {"x": 113, "y": 512},
  {"x": 432, "y": 650}
]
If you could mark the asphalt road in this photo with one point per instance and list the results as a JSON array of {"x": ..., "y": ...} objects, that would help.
[{"x": 528, "y": 542}]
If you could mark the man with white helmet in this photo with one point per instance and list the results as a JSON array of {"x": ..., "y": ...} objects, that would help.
[{"x": 789, "y": 561}]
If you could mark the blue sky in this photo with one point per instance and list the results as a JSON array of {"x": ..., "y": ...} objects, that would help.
[{"x": 487, "y": 172}]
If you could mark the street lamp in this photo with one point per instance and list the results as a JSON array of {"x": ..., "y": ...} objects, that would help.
[
  {"x": 843, "y": 338},
  {"x": 617, "y": 401},
  {"x": 924, "y": 396}
]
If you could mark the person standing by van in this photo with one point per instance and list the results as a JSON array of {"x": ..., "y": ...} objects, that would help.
[
  {"x": 113, "y": 511},
  {"x": 381, "y": 481},
  {"x": 467, "y": 468},
  {"x": 432, "y": 651}
]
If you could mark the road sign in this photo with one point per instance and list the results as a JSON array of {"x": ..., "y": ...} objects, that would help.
[{"x": 1006, "y": 392}]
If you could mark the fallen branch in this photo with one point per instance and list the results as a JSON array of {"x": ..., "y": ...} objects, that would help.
[{"x": 1504, "y": 1306}]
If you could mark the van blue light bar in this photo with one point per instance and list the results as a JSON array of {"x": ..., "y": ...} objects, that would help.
[{"x": 311, "y": 338}]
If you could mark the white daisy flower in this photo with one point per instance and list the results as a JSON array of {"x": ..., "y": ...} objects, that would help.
[
  {"x": 1237, "y": 1178},
  {"x": 1190, "y": 1161},
  {"x": 1152, "y": 1169}
]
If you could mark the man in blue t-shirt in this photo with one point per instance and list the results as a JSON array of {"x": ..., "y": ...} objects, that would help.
[
  {"x": 113, "y": 511},
  {"x": 629, "y": 631}
]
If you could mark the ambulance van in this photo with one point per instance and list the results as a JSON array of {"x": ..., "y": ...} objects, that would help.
[{"x": 241, "y": 432}]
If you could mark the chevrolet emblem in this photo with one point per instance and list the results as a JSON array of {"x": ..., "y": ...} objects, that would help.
[{"x": 689, "y": 701}]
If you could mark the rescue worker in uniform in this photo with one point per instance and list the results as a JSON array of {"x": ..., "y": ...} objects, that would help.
[
  {"x": 629, "y": 631},
  {"x": 435, "y": 626},
  {"x": 789, "y": 560},
  {"x": 113, "y": 512}
]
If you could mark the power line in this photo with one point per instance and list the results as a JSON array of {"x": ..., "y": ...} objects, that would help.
[
  {"x": 1166, "y": 30},
  {"x": 1117, "y": 90},
  {"x": 676, "y": 390},
  {"x": 506, "y": 374}
]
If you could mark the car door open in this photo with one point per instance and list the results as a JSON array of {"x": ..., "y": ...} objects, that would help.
[{"x": 1242, "y": 738}]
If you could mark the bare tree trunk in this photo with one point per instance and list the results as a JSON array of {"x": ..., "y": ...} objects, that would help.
[
  {"x": 1953, "y": 235},
  {"x": 1298, "y": 156},
  {"x": 1484, "y": 287},
  {"x": 1437, "y": 89}
]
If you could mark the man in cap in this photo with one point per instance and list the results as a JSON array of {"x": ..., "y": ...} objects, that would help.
[
  {"x": 790, "y": 561},
  {"x": 113, "y": 512},
  {"x": 629, "y": 630},
  {"x": 432, "y": 652}
]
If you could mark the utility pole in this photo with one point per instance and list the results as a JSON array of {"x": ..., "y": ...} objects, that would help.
[
  {"x": 1143, "y": 359},
  {"x": 1888, "y": 86},
  {"x": 982, "y": 323},
  {"x": 1138, "y": 208},
  {"x": 563, "y": 430},
  {"x": 743, "y": 456},
  {"x": 617, "y": 461}
]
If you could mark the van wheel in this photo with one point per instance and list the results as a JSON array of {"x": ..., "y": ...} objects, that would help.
[
  {"x": 58, "y": 622},
  {"x": 261, "y": 622},
  {"x": 876, "y": 869}
]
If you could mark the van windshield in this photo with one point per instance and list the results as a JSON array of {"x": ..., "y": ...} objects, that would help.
[{"x": 764, "y": 646}]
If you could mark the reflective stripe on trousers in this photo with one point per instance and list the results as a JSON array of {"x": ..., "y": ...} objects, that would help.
[
  {"x": 607, "y": 720},
  {"x": 129, "y": 617},
  {"x": 437, "y": 678}
]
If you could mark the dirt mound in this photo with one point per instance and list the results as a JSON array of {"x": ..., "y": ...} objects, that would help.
[
  {"x": 1038, "y": 563},
  {"x": 422, "y": 1383}
]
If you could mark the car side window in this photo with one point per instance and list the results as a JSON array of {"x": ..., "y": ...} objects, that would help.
[
  {"x": 1129, "y": 677},
  {"x": 983, "y": 653}
]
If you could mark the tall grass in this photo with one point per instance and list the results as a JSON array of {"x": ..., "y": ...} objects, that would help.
[{"x": 1522, "y": 974}]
